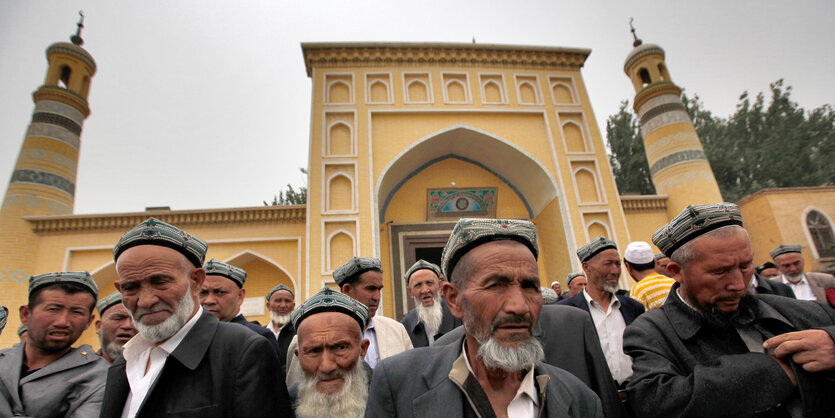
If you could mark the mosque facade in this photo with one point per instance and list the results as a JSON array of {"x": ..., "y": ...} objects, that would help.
[{"x": 405, "y": 139}]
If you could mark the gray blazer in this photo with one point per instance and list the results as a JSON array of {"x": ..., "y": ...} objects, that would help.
[
  {"x": 570, "y": 341},
  {"x": 72, "y": 386},
  {"x": 819, "y": 282},
  {"x": 416, "y": 383}
]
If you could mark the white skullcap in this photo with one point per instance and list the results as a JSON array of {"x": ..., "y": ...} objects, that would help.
[{"x": 639, "y": 252}]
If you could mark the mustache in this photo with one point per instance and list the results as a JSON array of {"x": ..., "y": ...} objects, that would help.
[
  {"x": 512, "y": 319},
  {"x": 328, "y": 376},
  {"x": 158, "y": 307}
]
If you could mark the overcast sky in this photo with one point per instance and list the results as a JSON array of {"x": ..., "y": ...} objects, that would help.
[{"x": 205, "y": 104}]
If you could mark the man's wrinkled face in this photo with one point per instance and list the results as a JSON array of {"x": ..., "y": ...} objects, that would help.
[
  {"x": 155, "y": 281},
  {"x": 719, "y": 275},
  {"x": 423, "y": 287},
  {"x": 115, "y": 327},
  {"x": 221, "y": 297},
  {"x": 501, "y": 296},
  {"x": 58, "y": 319},
  {"x": 790, "y": 264},
  {"x": 330, "y": 346},
  {"x": 367, "y": 290},
  {"x": 281, "y": 303},
  {"x": 603, "y": 270},
  {"x": 577, "y": 285}
]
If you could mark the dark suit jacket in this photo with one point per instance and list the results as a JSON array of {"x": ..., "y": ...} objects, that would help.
[
  {"x": 218, "y": 370},
  {"x": 685, "y": 368},
  {"x": 570, "y": 342},
  {"x": 417, "y": 332},
  {"x": 773, "y": 287},
  {"x": 284, "y": 337},
  {"x": 629, "y": 308},
  {"x": 416, "y": 383},
  {"x": 240, "y": 319}
]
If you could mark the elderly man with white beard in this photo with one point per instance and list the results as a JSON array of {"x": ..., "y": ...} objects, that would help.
[
  {"x": 495, "y": 368},
  {"x": 331, "y": 348},
  {"x": 114, "y": 327},
  {"x": 183, "y": 362},
  {"x": 280, "y": 302},
  {"x": 431, "y": 318}
]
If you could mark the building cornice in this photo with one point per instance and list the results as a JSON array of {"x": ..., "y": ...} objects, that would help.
[
  {"x": 368, "y": 54},
  {"x": 786, "y": 190},
  {"x": 640, "y": 203},
  {"x": 288, "y": 214},
  {"x": 72, "y": 50},
  {"x": 62, "y": 95}
]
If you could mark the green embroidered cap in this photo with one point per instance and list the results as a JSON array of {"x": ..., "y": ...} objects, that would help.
[
  {"x": 108, "y": 301},
  {"x": 329, "y": 300},
  {"x": 469, "y": 233},
  {"x": 694, "y": 221},
  {"x": 21, "y": 329},
  {"x": 218, "y": 268},
  {"x": 277, "y": 288},
  {"x": 80, "y": 278},
  {"x": 784, "y": 249},
  {"x": 595, "y": 247},
  {"x": 4, "y": 314},
  {"x": 660, "y": 256},
  {"x": 422, "y": 265},
  {"x": 152, "y": 231},
  {"x": 355, "y": 267}
]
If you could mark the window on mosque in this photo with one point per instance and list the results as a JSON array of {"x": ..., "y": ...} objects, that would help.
[
  {"x": 822, "y": 235},
  {"x": 64, "y": 81},
  {"x": 645, "y": 76}
]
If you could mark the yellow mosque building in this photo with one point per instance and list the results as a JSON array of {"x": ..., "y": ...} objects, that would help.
[{"x": 405, "y": 139}]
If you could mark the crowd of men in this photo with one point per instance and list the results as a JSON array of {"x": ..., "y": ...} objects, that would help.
[{"x": 703, "y": 332}]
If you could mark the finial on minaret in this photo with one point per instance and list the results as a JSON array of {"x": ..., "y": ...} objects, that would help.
[
  {"x": 637, "y": 42},
  {"x": 76, "y": 39}
]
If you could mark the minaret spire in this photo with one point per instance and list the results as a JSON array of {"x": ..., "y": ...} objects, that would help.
[
  {"x": 637, "y": 41},
  {"x": 76, "y": 39}
]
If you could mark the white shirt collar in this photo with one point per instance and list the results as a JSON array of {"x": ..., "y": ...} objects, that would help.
[
  {"x": 138, "y": 343},
  {"x": 614, "y": 302}
]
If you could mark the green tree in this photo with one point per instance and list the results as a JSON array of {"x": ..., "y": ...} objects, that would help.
[
  {"x": 761, "y": 145},
  {"x": 628, "y": 158},
  {"x": 290, "y": 196}
]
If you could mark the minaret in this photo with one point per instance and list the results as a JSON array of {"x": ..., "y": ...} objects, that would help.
[
  {"x": 43, "y": 180},
  {"x": 676, "y": 158}
]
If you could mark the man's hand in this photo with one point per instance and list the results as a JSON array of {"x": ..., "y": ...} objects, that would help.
[{"x": 813, "y": 349}]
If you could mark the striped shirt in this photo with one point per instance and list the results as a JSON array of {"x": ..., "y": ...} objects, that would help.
[{"x": 652, "y": 290}]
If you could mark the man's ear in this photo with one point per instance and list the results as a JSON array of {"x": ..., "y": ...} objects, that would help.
[
  {"x": 364, "y": 346},
  {"x": 197, "y": 277},
  {"x": 453, "y": 299},
  {"x": 347, "y": 289},
  {"x": 675, "y": 270},
  {"x": 25, "y": 314},
  {"x": 98, "y": 326},
  {"x": 409, "y": 291}
]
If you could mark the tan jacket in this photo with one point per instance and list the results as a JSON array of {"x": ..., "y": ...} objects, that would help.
[{"x": 819, "y": 282}]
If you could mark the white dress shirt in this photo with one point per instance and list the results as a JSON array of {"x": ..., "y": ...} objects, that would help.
[
  {"x": 273, "y": 330},
  {"x": 140, "y": 354},
  {"x": 372, "y": 356},
  {"x": 526, "y": 401},
  {"x": 610, "y": 326},
  {"x": 802, "y": 290}
]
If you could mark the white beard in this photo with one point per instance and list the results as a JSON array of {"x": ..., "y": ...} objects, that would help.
[
  {"x": 510, "y": 359},
  {"x": 795, "y": 279},
  {"x": 279, "y": 319},
  {"x": 611, "y": 289},
  {"x": 431, "y": 316},
  {"x": 111, "y": 348},
  {"x": 166, "y": 329},
  {"x": 349, "y": 402}
]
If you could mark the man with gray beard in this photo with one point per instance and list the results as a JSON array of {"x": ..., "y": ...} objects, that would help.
[
  {"x": 610, "y": 312},
  {"x": 280, "y": 302},
  {"x": 431, "y": 318},
  {"x": 495, "y": 368},
  {"x": 183, "y": 362},
  {"x": 330, "y": 352},
  {"x": 114, "y": 327}
]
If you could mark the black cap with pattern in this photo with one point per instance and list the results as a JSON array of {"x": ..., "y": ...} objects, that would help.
[
  {"x": 784, "y": 249},
  {"x": 572, "y": 276},
  {"x": 108, "y": 301},
  {"x": 152, "y": 231},
  {"x": 694, "y": 221},
  {"x": 422, "y": 265},
  {"x": 218, "y": 268},
  {"x": 469, "y": 233},
  {"x": 79, "y": 278},
  {"x": 277, "y": 288},
  {"x": 594, "y": 247},
  {"x": 329, "y": 300},
  {"x": 354, "y": 267}
]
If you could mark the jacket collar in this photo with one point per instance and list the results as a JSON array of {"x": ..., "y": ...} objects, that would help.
[{"x": 196, "y": 343}]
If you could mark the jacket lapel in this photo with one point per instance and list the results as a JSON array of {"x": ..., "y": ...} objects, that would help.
[
  {"x": 73, "y": 358},
  {"x": 10, "y": 377},
  {"x": 382, "y": 335},
  {"x": 116, "y": 390},
  {"x": 817, "y": 289},
  {"x": 442, "y": 398}
]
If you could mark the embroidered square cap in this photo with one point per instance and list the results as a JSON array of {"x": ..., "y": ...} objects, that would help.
[
  {"x": 218, "y": 268},
  {"x": 329, "y": 300},
  {"x": 21, "y": 329},
  {"x": 422, "y": 265},
  {"x": 277, "y": 288},
  {"x": 595, "y": 247},
  {"x": 354, "y": 267},
  {"x": 108, "y": 301},
  {"x": 660, "y": 256},
  {"x": 784, "y": 249},
  {"x": 152, "y": 231},
  {"x": 469, "y": 233},
  {"x": 79, "y": 278},
  {"x": 572, "y": 276},
  {"x": 694, "y": 221},
  {"x": 4, "y": 314}
]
